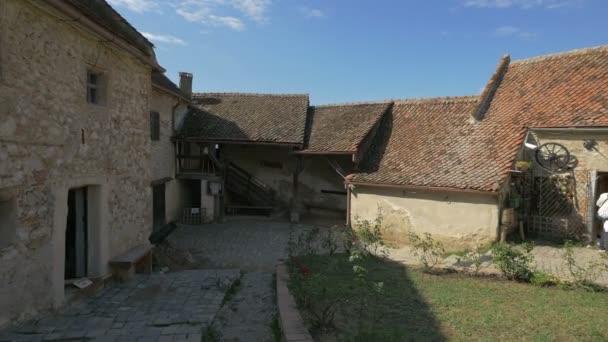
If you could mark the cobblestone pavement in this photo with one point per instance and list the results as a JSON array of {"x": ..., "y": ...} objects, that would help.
[
  {"x": 249, "y": 314},
  {"x": 157, "y": 307},
  {"x": 251, "y": 245}
]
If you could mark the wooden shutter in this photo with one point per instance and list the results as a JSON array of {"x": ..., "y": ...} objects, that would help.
[{"x": 154, "y": 126}]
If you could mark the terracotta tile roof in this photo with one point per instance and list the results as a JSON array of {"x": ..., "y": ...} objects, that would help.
[
  {"x": 427, "y": 142},
  {"x": 342, "y": 127},
  {"x": 162, "y": 81},
  {"x": 438, "y": 143},
  {"x": 275, "y": 118}
]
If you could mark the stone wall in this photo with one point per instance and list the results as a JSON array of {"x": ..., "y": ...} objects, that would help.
[
  {"x": 459, "y": 220},
  {"x": 51, "y": 139}
]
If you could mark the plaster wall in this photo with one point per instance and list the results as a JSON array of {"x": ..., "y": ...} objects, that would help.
[
  {"x": 457, "y": 219},
  {"x": 163, "y": 152},
  {"x": 52, "y": 140},
  {"x": 252, "y": 157},
  {"x": 318, "y": 175}
]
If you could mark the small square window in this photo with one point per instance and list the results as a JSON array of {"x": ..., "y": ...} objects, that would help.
[
  {"x": 154, "y": 126},
  {"x": 95, "y": 87}
]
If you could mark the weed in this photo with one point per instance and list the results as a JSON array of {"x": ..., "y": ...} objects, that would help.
[
  {"x": 583, "y": 276},
  {"x": 544, "y": 279},
  {"x": 211, "y": 334},
  {"x": 232, "y": 291},
  {"x": 275, "y": 326}
]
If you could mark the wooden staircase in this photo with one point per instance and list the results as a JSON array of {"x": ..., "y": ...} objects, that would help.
[{"x": 248, "y": 195}]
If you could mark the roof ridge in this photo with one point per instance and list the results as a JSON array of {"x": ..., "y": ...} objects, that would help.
[
  {"x": 246, "y": 94},
  {"x": 356, "y": 103},
  {"x": 575, "y": 52},
  {"x": 440, "y": 99}
]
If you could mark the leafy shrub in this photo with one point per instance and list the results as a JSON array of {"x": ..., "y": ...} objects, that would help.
[
  {"x": 544, "y": 279},
  {"x": 583, "y": 276},
  {"x": 369, "y": 235},
  {"x": 427, "y": 250},
  {"x": 514, "y": 262}
]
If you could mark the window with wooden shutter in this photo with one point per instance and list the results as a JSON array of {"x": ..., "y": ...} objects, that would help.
[{"x": 154, "y": 126}]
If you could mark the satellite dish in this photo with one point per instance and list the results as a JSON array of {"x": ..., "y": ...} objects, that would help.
[{"x": 553, "y": 157}]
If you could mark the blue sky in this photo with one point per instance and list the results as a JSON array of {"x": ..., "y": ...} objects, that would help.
[{"x": 358, "y": 50}]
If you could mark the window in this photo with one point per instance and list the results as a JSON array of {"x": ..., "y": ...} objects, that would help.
[
  {"x": 95, "y": 88},
  {"x": 154, "y": 126}
]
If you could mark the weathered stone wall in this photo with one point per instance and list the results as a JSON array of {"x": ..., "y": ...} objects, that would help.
[
  {"x": 51, "y": 139},
  {"x": 163, "y": 152},
  {"x": 457, "y": 219}
]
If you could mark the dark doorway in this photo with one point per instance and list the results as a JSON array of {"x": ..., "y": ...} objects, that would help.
[
  {"x": 76, "y": 246},
  {"x": 158, "y": 206}
]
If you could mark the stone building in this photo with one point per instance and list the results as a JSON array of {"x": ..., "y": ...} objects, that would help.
[
  {"x": 168, "y": 106},
  {"x": 445, "y": 166},
  {"x": 75, "y": 175}
]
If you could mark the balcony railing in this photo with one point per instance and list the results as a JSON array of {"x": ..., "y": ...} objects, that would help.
[{"x": 200, "y": 164}]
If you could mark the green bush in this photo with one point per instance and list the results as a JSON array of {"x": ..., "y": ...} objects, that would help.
[
  {"x": 544, "y": 279},
  {"x": 584, "y": 276},
  {"x": 368, "y": 235},
  {"x": 428, "y": 251},
  {"x": 514, "y": 262}
]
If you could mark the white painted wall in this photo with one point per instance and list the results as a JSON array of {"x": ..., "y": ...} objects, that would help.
[{"x": 457, "y": 219}]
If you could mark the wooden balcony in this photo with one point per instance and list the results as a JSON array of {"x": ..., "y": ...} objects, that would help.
[{"x": 197, "y": 167}]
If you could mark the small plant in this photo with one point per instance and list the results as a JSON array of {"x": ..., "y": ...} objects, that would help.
[
  {"x": 426, "y": 249},
  {"x": 514, "y": 262},
  {"x": 369, "y": 235},
  {"x": 523, "y": 165},
  {"x": 583, "y": 276},
  {"x": 544, "y": 279},
  {"x": 232, "y": 291},
  {"x": 318, "y": 300},
  {"x": 474, "y": 257},
  {"x": 211, "y": 334}
]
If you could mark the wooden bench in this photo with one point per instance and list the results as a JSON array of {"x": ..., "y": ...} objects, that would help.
[{"x": 137, "y": 259}]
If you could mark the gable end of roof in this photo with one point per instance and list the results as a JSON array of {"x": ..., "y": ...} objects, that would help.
[{"x": 490, "y": 89}]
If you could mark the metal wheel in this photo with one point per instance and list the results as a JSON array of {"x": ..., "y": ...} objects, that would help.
[{"x": 553, "y": 157}]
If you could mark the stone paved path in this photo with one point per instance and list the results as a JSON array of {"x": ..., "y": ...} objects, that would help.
[
  {"x": 251, "y": 245},
  {"x": 157, "y": 307},
  {"x": 249, "y": 314}
]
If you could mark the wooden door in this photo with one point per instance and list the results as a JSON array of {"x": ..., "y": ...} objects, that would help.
[{"x": 158, "y": 206}]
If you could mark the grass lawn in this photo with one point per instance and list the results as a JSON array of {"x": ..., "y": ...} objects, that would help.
[{"x": 418, "y": 306}]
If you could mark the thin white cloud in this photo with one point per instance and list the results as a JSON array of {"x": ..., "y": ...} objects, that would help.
[
  {"x": 224, "y": 13},
  {"x": 512, "y": 31},
  {"x": 523, "y": 4},
  {"x": 312, "y": 12},
  {"x": 138, "y": 6},
  {"x": 163, "y": 38}
]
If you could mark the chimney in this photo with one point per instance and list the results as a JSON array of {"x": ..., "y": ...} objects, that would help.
[{"x": 185, "y": 83}]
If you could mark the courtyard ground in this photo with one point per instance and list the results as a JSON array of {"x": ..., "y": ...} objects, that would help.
[{"x": 158, "y": 307}]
